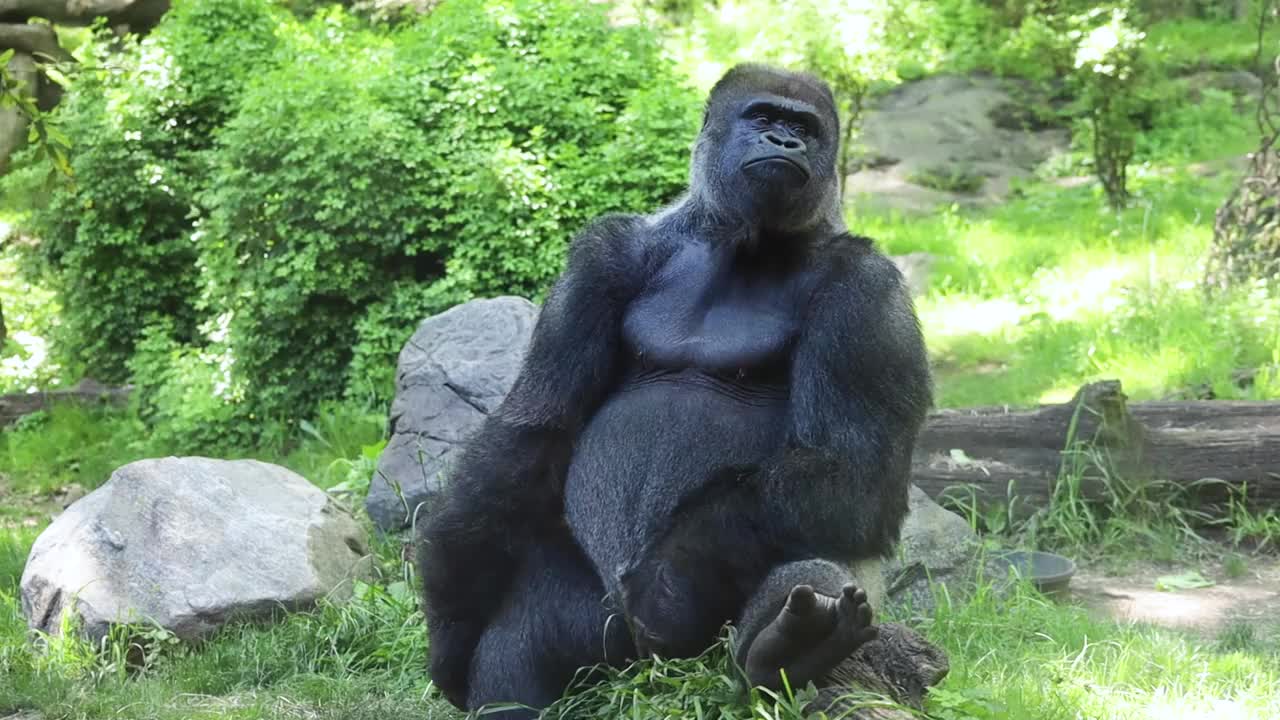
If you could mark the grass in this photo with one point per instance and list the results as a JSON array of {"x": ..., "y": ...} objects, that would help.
[
  {"x": 72, "y": 444},
  {"x": 1186, "y": 44},
  {"x": 1050, "y": 291},
  {"x": 1019, "y": 656}
]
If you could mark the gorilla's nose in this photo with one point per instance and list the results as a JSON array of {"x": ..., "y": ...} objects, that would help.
[{"x": 785, "y": 142}]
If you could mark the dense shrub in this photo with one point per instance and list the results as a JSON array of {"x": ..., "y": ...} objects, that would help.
[
  {"x": 276, "y": 203},
  {"x": 118, "y": 240},
  {"x": 457, "y": 161}
]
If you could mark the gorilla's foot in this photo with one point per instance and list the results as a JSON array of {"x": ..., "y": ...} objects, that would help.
[{"x": 811, "y": 635}]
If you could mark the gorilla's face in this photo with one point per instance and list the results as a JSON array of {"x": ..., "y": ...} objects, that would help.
[
  {"x": 767, "y": 148},
  {"x": 776, "y": 137}
]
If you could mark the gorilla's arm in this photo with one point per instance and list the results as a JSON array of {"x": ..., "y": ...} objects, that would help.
[
  {"x": 506, "y": 488},
  {"x": 860, "y": 390}
]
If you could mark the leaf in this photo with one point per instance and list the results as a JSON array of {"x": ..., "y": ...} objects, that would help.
[
  {"x": 56, "y": 135},
  {"x": 1184, "y": 581},
  {"x": 959, "y": 457}
]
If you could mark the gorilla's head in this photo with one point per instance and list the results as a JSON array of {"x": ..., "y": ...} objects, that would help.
[{"x": 767, "y": 151}]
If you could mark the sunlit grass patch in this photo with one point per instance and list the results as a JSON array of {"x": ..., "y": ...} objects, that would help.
[
  {"x": 1039, "y": 659},
  {"x": 1030, "y": 300},
  {"x": 1184, "y": 44}
]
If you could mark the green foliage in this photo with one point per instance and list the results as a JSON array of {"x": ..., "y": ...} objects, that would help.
[
  {"x": 115, "y": 240},
  {"x": 216, "y": 49},
  {"x": 188, "y": 396},
  {"x": 43, "y": 132},
  {"x": 270, "y": 206},
  {"x": 118, "y": 240},
  {"x": 457, "y": 162}
]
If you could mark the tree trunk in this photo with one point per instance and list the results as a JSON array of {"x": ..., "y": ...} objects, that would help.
[{"x": 139, "y": 15}]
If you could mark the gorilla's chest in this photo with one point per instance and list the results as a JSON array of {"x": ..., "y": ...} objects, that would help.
[{"x": 706, "y": 313}]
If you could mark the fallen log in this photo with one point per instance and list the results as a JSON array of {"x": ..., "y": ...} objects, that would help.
[
  {"x": 88, "y": 392},
  {"x": 1001, "y": 453}
]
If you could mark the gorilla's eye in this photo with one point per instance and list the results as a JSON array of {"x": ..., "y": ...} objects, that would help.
[
  {"x": 798, "y": 129},
  {"x": 759, "y": 118}
]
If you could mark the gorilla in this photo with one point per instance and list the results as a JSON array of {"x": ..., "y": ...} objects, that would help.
[{"x": 713, "y": 422}]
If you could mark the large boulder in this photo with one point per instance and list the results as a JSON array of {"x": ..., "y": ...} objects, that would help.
[
  {"x": 453, "y": 372},
  {"x": 190, "y": 543}
]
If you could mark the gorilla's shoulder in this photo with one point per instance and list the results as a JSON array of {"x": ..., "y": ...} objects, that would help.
[
  {"x": 616, "y": 240},
  {"x": 848, "y": 251},
  {"x": 848, "y": 257}
]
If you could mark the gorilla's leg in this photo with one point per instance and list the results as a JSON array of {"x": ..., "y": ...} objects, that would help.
[
  {"x": 553, "y": 624},
  {"x": 805, "y": 618}
]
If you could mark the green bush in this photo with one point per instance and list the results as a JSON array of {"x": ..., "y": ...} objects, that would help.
[
  {"x": 119, "y": 240},
  {"x": 457, "y": 161},
  {"x": 275, "y": 203},
  {"x": 116, "y": 242}
]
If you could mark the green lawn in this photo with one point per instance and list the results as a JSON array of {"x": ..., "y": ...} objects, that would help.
[
  {"x": 1018, "y": 657},
  {"x": 1050, "y": 291}
]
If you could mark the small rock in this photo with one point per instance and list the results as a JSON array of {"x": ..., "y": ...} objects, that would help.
[
  {"x": 190, "y": 543},
  {"x": 453, "y": 372},
  {"x": 937, "y": 546},
  {"x": 915, "y": 269},
  {"x": 68, "y": 495}
]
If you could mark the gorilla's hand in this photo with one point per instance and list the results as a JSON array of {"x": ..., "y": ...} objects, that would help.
[{"x": 667, "y": 607}]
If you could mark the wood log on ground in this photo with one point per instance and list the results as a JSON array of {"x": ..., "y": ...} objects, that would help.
[
  {"x": 899, "y": 665},
  {"x": 87, "y": 392},
  {"x": 1232, "y": 442}
]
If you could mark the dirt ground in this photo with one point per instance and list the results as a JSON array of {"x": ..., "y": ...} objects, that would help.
[{"x": 1253, "y": 597}]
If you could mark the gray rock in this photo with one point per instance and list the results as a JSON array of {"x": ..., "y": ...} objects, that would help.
[
  {"x": 951, "y": 124},
  {"x": 937, "y": 546},
  {"x": 915, "y": 268},
  {"x": 453, "y": 372},
  {"x": 190, "y": 543}
]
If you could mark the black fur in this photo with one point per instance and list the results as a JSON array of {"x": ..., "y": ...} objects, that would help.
[{"x": 724, "y": 388}]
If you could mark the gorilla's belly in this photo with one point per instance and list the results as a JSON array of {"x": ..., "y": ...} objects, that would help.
[{"x": 657, "y": 439}]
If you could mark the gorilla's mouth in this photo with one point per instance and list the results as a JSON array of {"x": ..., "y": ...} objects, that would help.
[{"x": 778, "y": 161}]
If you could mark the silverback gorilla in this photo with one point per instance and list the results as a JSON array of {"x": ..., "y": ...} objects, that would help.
[{"x": 715, "y": 418}]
